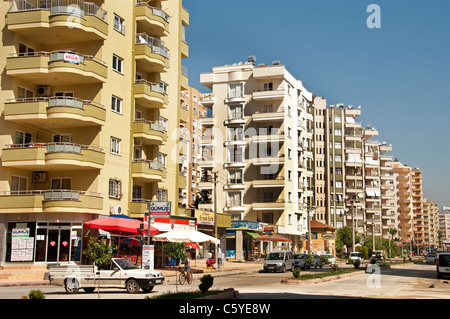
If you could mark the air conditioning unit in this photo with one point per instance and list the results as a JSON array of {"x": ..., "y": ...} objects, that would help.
[
  {"x": 116, "y": 210},
  {"x": 44, "y": 91},
  {"x": 39, "y": 177}
]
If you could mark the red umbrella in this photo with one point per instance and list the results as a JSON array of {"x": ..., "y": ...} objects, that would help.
[
  {"x": 193, "y": 245},
  {"x": 121, "y": 226}
]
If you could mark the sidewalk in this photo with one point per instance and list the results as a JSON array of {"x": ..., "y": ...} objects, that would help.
[{"x": 198, "y": 267}]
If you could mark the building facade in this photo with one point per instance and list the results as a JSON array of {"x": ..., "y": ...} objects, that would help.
[
  {"x": 91, "y": 104},
  {"x": 257, "y": 148}
]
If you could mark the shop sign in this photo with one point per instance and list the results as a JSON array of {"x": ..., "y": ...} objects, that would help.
[
  {"x": 268, "y": 230},
  {"x": 20, "y": 232},
  {"x": 244, "y": 224},
  {"x": 205, "y": 218},
  {"x": 148, "y": 257},
  {"x": 159, "y": 209},
  {"x": 231, "y": 234},
  {"x": 327, "y": 236},
  {"x": 168, "y": 224}
]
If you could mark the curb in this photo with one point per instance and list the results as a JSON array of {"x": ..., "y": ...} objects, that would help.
[{"x": 228, "y": 293}]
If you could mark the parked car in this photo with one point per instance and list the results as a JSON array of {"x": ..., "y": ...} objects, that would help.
[
  {"x": 279, "y": 261},
  {"x": 378, "y": 255},
  {"x": 331, "y": 259},
  {"x": 443, "y": 265},
  {"x": 119, "y": 274},
  {"x": 300, "y": 261},
  {"x": 354, "y": 256},
  {"x": 431, "y": 258}
]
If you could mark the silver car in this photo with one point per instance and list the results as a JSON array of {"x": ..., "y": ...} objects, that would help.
[{"x": 279, "y": 261}]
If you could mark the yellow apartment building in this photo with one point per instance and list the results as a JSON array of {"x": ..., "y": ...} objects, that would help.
[{"x": 90, "y": 104}]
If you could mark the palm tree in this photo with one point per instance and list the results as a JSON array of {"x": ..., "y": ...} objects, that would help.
[{"x": 392, "y": 232}]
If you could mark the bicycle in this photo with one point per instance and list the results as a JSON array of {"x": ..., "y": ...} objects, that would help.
[{"x": 185, "y": 276}]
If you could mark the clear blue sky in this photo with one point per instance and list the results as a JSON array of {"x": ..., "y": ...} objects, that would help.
[{"x": 399, "y": 73}]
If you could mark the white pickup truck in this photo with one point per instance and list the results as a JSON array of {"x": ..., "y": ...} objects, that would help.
[{"x": 120, "y": 274}]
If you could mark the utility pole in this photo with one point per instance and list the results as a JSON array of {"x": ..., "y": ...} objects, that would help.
[{"x": 216, "y": 257}]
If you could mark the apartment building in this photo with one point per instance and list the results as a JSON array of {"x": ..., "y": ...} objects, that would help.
[
  {"x": 430, "y": 224},
  {"x": 320, "y": 157},
  {"x": 91, "y": 103},
  {"x": 193, "y": 136},
  {"x": 417, "y": 201},
  {"x": 444, "y": 228},
  {"x": 405, "y": 205},
  {"x": 259, "y": 149}
]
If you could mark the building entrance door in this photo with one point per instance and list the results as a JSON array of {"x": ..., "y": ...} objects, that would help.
[{"x": 58, "y": 245}]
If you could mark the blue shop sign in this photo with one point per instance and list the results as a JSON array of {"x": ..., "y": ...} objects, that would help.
[{"x": 244, "y": 224}]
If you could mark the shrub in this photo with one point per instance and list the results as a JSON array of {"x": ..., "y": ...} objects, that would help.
[
  {"x": 35, "y": 294},
  {"x": 296, "y": 272},
  {"x": 355, "y": 263},
  {"x": 206, "y": 283},
  {"x": 334, "y": 268}
]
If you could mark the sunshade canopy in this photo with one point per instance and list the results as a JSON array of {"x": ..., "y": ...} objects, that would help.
[
  {"x": 186, "y": 235},
  {"x": 273, "y": 237},
  {"x": 121, "y": 225}
]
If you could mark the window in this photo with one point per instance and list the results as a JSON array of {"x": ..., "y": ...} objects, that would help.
[
  {"x": 18, "y": 184},
  {"x": 23, "y": 138},
  {"x": 23, "y": 93},
  {"x": 234, "y": 199},
  {"x": 267, "y": 218},
  {"x": 116, "y": 104},
  {"x": 62, "y": 138},
  {"x": 235, "y": 134},
  {"x": 119, "y": 24},
  {"x": 235, "y": 112},
  {"x": 117, "y": 63},
  {"x": 115, "y": 145},
  {"x": 25, "y": 50},
  {"x": 337, "y": 119},
  {"x": 163, "y": 123},
  {"x": 115, "y": 188},
  {"x": 137, "y": 192},
  {"x": 162, "y": 159},
  {"x": 183, "y": 32},
  {"x": 268, "y": 86},
  {"x": 337, "y": 145},
  {"x": 235, "y": 177},
  {"x": 236, "y": 90},
  {"x": 161, "y": 195},
  {"x": 61, "y": 183},
  {"x": 289, "y": 175},
  {"x": 337, "y": 132},
  {"x": 338, "y": 184},
  {"x": 338, "y": 158}
]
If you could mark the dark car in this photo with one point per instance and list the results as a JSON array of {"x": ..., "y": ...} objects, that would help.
[
  {"x": 443, "y": 265},
  {"x": 300, "y": 261}
]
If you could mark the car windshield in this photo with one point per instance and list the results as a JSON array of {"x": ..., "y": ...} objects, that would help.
[
  {"x": 275, "y": 256},
  {"x": 355, "y": 254},
  {"x": 444, "y": 260},
  {"x": 124, "y": 264},
  {"x": 299, "y": 256},
  {"x": 431, "y": 255}
]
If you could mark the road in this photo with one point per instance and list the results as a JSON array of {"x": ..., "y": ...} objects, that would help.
[{"x": 416, "y": 281}]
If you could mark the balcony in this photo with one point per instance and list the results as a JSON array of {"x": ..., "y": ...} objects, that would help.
[
  {"x": 56, "y": 68},
  {"x": 147, "y": 171},
  {"x": 62, "y": 111},
  {"x": 52, "y": 156},
  {"x": 268, "y": 95},
  {"x": 53, "y": 21},
  {"x": 268, "y": 181},
  {"x": 184, "y": 79},
  {"x": 268, "y": 204},
  {"x": 275, "y": 136},
  {"x": 151, "y": 20},
  {"x": 207, "y": 121},
  {"x": 184, "y": 114},
  {"x": 51, "y": 201},
  {"x": 149, "y": 133},
  {"x": 151, "y": 54},
  {"x": 262, "y": 116},
  {"x": 150, "y": 95},
  {"x": 207, "y": 99}
]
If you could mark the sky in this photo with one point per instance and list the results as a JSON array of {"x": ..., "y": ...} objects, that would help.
[{"x": 399, "y": 73}]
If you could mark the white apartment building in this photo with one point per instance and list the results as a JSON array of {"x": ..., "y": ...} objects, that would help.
[{"x": 258, "y": 145}]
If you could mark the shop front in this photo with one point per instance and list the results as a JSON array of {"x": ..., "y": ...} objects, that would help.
[
  {"x": 206, "y": 224},
  {"x": 240, "y": 244},
  {"x": 323, "y": 239},
  {"x": 41, "y": 238}
]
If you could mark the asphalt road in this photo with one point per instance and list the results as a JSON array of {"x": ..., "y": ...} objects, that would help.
[{"x": 411, "y": 281}]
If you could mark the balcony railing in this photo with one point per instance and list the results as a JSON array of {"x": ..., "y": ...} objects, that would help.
[
  {"x": 155, "y": 11},
  {"x": 157, "y": 45},
  {"x": 64, "y": 101},
  {"x": 156, "y": 126},
  {"x": 77, "y": 8},
  {"x": 155, "y": 87},
  {"x": 57, "y": 147},
  {"x": 76, "y": 57},
  {"x": 151, "y": 164},
  {"x": 53, "y": 194}
]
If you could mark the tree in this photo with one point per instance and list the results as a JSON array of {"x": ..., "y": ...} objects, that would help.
[
  {"x": 98, "y": 251},
  {"x": 344, "y": 237},
  {"x": 175, "y": 250}
]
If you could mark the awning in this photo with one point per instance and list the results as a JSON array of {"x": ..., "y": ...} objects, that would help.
[
  {"x": 252, "y": 233},
  {"x": 273, "y": 237}
]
